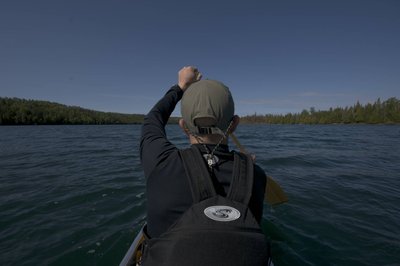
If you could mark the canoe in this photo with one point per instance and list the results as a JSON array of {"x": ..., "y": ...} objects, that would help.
[{"x": 134, "y": 253}]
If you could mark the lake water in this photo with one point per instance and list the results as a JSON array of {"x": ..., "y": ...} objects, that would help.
[{"x": 74, "y": 195}]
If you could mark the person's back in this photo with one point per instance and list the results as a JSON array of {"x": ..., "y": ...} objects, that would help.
[{"x": 208, "y": 118}]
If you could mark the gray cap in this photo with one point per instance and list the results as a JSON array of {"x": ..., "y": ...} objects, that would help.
[{"x": 207, "y": 99}]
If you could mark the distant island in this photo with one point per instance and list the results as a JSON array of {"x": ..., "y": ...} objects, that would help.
[{"x": 16, "y": 111}]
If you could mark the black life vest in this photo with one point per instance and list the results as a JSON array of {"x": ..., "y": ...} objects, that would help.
[{"x": 215, "y": 230}]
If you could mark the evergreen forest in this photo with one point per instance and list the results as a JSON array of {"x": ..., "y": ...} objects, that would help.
[
  {"x": 386, "y": 112},
  {"x": 15, "y": 111}
]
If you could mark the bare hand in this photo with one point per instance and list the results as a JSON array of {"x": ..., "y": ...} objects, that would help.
[{"x": 188, "y": 75}]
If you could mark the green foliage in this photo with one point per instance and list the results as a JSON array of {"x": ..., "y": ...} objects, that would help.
[
  {"x": 387, "y": 112},
  {"x": 15, "y": 111}
]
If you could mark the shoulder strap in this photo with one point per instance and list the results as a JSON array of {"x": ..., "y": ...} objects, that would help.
[
  {"x": 197, "y": 173},
  {"x": 242, "y": 180}
]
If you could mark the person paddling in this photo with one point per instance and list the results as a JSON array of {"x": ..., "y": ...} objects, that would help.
[{"x": 204, "y": 203}]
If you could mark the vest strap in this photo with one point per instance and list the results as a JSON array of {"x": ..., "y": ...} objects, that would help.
[
  {"x": 200, "y": 181},
  {"x": 241, "y": 186},
  {"x": 197, "y": 173}
]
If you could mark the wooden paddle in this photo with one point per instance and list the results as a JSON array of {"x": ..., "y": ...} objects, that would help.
[{"x": 273, "y": 192}]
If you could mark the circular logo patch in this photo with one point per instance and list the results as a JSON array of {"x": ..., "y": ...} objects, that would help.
[{"x": 222, "y": 213}]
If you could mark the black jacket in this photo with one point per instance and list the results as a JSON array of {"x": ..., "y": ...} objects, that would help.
[{"x": 168, "y": 192}]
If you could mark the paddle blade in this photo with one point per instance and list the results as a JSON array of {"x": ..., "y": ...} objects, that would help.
[{"x": 273, "y": 193}]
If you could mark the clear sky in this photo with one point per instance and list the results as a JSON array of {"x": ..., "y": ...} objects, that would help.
[{"x": 276, "y": 56}]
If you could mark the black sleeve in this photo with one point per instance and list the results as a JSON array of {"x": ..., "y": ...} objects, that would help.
[{"x": 154, "y": 145}]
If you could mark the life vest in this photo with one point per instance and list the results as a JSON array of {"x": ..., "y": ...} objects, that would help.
[{"x": 215, "y": 230}]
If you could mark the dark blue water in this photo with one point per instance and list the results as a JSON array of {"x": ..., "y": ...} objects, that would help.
[{"x": 74, "y": 195}]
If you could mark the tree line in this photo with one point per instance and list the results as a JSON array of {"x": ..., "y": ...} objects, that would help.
[
  {"x": 387, "y": 112},
  {"x": 15, "y": 111}
]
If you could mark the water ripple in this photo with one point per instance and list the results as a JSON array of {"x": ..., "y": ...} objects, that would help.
[{"x": 75, "y": 195}]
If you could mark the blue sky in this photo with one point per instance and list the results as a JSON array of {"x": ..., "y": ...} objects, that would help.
[{"x": 276, "y": 56}]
